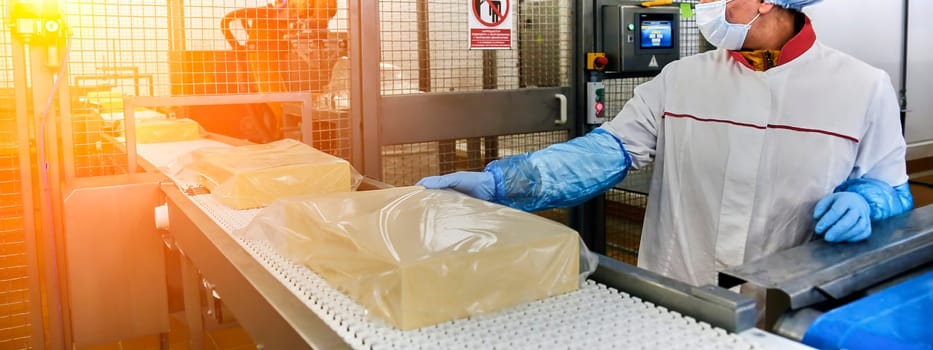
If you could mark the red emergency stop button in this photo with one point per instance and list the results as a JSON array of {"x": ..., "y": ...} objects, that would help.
[{"x": 600, "y": 62}]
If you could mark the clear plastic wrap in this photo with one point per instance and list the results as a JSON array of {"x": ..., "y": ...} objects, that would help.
[
  {"x": 416, "y": 257},
  {"x": 253, "y": 176},
  {"x": 152, "y": 130}
]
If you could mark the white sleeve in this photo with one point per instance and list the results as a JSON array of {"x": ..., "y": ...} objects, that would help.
[
  {"x": 637, "y": 124},
  {"x": 882, "y": 149}
]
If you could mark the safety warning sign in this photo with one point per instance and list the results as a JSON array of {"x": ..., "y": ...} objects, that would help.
[{"x": 490, "y": 24}]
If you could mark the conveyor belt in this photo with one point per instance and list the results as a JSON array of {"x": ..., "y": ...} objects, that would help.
[{"x": 594, "y": 317}]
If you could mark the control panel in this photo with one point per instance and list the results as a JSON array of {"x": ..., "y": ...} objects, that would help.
[{"x": 638, "y": 39}]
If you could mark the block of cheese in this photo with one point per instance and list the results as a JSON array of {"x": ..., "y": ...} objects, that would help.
[
  {"x": 254, "y": 175},
  {"x": 114, "y": 120},
  {"x": 152, "y": 130},
  {"x": 417, "y": 257},
  {"x": 107, "y": 101}
]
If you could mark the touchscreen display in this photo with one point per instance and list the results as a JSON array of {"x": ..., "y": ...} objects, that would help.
[{"x": 656, "y": 34}]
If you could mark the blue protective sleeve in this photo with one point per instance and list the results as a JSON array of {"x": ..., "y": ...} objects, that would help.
[
  {"x": 561, "y": 175},
  {"x": 885, "y": 201},
  {"x": 896, "y": 318}
]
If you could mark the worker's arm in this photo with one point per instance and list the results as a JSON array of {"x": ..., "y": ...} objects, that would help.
[
  {"x": 638, "y": 123},
  {"x": 569, "y": 173},
  {"x": 877, "y": 186},
  {"x": 846, "y": 215},
  {"x": 561, "y": 175}
]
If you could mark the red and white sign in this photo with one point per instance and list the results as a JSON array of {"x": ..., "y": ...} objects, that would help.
[{"x": 490, "y": 24}]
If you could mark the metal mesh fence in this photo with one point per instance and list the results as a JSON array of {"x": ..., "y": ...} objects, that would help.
[
  {"x": 425, "y": 49},
  {"x": 425, "y": 44},
  {"x": 124, "y": 48},
  {"x": 404, "y": 165},
  {"x": 157, "y": 47},
  {"x": 15, "y": 326},
  {"x": 117, "y": 49},
  {"x": 626, "y": 202}
]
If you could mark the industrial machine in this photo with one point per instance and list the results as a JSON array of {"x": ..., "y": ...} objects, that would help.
[
  {"x": 638, "y": 39},
  {"x": 873, "y": 294},
  {"x": 285, "y": 305},
  {"x": 281, "y": 47},
  {"x": 632, "y": 40}
]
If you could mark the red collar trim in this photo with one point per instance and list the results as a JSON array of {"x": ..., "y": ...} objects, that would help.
[
  {"x": 737, "y": 56},
  {"x": 794, "y": 47}
]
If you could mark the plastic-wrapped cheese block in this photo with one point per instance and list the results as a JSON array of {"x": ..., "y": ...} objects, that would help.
[
  {"x": 417, "y": 257},
  {"x": 253, "y": 176},
  {"x": 166, "y": 130}
]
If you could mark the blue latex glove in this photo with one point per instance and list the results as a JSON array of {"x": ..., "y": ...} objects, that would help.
[
  {"x": 885, "y": 201},
  {"x": 843, "y": 217},
  {"x": 479, "y": 185}
]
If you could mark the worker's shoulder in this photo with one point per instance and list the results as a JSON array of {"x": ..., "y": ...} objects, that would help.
[
  {"x": 696, "y": 62},
  {"x": 702, "y": 60},
  {"x": 846, "y": 63}
]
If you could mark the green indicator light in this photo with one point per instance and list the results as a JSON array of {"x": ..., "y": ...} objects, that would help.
[{"x": 631, "y": 26}]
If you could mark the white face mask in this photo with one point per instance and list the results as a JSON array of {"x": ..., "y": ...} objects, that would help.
[{"x": 711, "y": 19}]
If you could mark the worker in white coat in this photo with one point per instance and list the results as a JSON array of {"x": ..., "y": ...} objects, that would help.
[{"x": 756, "y": 146}]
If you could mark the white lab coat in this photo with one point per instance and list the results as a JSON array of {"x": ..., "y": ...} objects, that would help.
[{"x": 741, "y": 157}]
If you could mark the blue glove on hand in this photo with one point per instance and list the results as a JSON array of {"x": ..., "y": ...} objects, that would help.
[
  {"x": 843, "y": 217},
  {"x": 479, "y": 185}
]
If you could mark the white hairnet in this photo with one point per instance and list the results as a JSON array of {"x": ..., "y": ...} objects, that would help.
[{"x": 793, "y": 4}]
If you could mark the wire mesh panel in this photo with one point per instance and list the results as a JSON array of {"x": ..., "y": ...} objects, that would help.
[
  {"x": 425, "y": 48},
  {"x": 123, "y": 48},
  {"x": 250, "y": 46},
  {"x": 15, "y": 326},
  {"x": 117, "y": 49},
  {"x": 404, "y": 165},
  {"x": 690, "y": 40},
  {"x": 119, "y": 46},
  {"x": 427, "y": 43},
  {"x": 626, "y": 202}
]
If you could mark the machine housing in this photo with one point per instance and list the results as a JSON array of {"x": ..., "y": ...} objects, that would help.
[{"x": 637, "y": 39}]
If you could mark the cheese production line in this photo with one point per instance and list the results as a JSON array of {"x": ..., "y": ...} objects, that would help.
[
  {"x": 136, "y": 241},
  {"x": 285, "y": 305}
]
